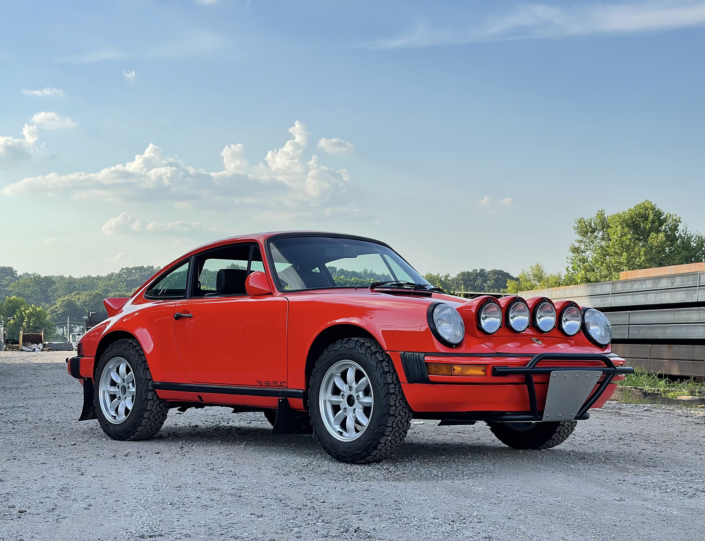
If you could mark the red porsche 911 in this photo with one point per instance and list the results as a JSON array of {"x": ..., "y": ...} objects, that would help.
[{"x": 339, "y": 336}]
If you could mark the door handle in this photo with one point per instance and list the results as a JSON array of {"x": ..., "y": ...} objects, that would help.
[{"x": 179, "y": 315}]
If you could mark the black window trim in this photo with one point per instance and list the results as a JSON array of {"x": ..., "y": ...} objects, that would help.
[
  {"x": 275, "y": 276},
  {"x": 166, "y": 272}
]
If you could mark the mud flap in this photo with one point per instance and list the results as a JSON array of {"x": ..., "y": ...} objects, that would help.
[
  {"x": 290, "y": 421},
  {"x": 88, "y": 411}
]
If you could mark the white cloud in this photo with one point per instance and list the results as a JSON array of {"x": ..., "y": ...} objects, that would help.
[
  {"x": 52, "y": 121},
  {"x": 129, "y": 76},
  {"x": 335, "y": 146},
  {"x": 491, "y": 206},
  {"x": 287, "y": 181},
  {"x": 127, "y": 223},
  {"x": 206, "y": 2},
  {"x": 45, "y": 92},
  {"x": 540, "y": 21},
  {"x": 15, "y": 150},
  {"x": 120, "y": 256}
]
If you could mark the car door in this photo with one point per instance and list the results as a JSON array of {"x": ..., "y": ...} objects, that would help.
[{"x": 224, "y": 336}]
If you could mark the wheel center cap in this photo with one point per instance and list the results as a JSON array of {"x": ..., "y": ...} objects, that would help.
[
  {"x": 123, "y": 390},
  {"x": 350, "y": 400}
]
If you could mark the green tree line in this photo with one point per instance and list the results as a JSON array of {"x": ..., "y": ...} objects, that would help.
[{"x": 48, "y": 301}]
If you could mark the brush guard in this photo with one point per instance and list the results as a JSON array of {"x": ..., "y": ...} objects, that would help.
[{"x": 564, "y": 393}]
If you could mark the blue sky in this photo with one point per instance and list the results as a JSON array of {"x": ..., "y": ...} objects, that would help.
[{"x": 465, "y": 134}]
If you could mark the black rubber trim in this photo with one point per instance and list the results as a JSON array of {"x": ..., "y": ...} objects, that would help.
[
  {"x": 88, "y": 411},
  {"x": 75, "y": 367},
  {"x": 432, "y": 325},
  {"x": 414, "y": 367},
  {"x": 583, "y": 327},
  {"x": 222, "y": 389}
]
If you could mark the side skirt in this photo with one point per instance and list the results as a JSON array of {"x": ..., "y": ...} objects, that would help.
[{"x": 271, "y": 392}]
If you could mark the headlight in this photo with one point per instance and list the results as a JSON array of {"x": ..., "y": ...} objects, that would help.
[
  {"x": 597, "y": 327},
  {"x": 571, "y": 320},
  {"x": 446, "y": 324},
  {"x": 545, "y": 316},
  {"x": 518, "y": 316},
  {"x": 489, "y": 319}
]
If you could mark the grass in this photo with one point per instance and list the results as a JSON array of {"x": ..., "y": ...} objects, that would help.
[{"x": 666, "y": 387}]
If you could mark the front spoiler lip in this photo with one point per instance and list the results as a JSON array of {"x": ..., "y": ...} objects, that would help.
[{"x": 415, "y": 370}]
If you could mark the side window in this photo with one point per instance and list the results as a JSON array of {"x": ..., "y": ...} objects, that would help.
[
  {"x": 256, "y": 264},
  {"x": 171, "y": 286},
  {"x": 223, "y": 271}
]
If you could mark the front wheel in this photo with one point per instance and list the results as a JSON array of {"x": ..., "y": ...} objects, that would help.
[
  {"x": 533, "y": 435},
  {"x": 126, "y": 406},
  {"x": 357, "y": 407}
]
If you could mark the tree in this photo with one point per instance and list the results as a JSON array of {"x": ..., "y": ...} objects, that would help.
[
  {"x": 33, "y": 288},
  {"x": 444, "y": 281},
  {"x": 484, "y": 281},
  {"x": 7, "y": 276},
  {"x": 535, "y": 278},
  {"x": 641, "y": 237},
  {"x": 66, "y": 308},
  {"x": 17, "y": 314}
]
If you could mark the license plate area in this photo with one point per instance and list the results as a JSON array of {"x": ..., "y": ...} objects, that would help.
[{"x": 567, "y": 392}]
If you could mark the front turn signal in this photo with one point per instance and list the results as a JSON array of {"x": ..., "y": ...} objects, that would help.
[{"x": 443, "y": 369}]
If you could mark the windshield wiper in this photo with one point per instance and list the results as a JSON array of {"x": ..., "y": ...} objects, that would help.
[{"x": 403, "y": 285}]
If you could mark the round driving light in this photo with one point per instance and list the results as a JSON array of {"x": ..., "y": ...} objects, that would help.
[
  {"x": 571, "y": 320},
  {"x": 545, "y": 316},
  {"x": 597, "y": 327},
  {"x": 446, "y": 324},
  {"x": 490, "y": 317},
  {"x": 518, "y": 316}
]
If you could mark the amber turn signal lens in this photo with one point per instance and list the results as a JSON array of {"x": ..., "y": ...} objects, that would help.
[
  {"x": 438, "y": 369},
  {"x": 469, "y": 369}
]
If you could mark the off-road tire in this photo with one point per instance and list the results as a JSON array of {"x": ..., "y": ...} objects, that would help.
[
  {"x": 539, "y": 436},
  {"x": 149, "y": 411},
  {"x": 391, "y": 416}
]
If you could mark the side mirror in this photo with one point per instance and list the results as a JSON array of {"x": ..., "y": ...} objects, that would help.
[{"x": 257, "y": 284}]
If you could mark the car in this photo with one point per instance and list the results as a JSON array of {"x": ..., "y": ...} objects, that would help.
[{"x": 338, "y": 336}]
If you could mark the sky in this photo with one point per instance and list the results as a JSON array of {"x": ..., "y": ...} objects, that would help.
[{"x": 464, "y": 134}]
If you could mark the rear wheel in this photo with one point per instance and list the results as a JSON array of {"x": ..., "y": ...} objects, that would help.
[
  {"x": 533, "y": 435},
  {"x": 125, "y": 404},
  {"x": 357, "y": 407}
]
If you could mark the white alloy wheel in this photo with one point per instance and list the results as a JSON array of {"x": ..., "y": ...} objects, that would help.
[
  {"x": 117, "y": 390},
  {"x": 346, "y": 400}
]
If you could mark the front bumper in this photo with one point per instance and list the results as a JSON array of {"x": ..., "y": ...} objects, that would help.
[{"x": 513, "y": 389}]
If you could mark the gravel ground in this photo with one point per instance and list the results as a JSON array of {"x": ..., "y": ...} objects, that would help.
[{"x": 631, "y": 472}]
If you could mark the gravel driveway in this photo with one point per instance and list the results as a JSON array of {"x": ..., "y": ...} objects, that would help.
[{"x": 631, "y": 472}]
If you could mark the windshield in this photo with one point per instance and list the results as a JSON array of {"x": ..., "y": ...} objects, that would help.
[{"x": 327, "y": 262}]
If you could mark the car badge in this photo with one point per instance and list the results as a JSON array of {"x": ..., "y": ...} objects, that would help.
[{"x": 539, "y": 342}]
